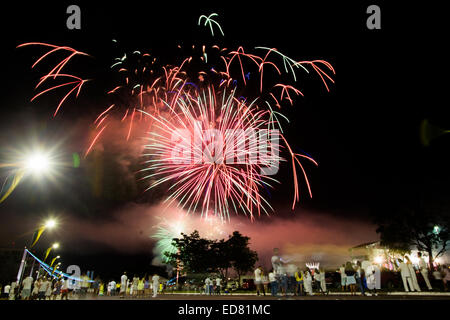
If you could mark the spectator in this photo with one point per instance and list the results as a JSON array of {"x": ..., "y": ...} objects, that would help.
[
  {"x": 12, "y": 290},
  {"x": 140, "y": 288},
  {"x": 350, "y": 277},
  {"x": 424, "y": 270},
  {"x": 65, "y": 289},
  {"x": 258, "y": 281},
  {"x": 406, "y": 275},
  {"x": 273, "y": 283},
  {"x": 6, "y": 290},
  {"x": 43, "y": 288},
  {"x": 123, "y": 284},
  {"x": 343, "y": 278},
  {"x": 35, "y": 292},
  {"x": 299, "y": 280},
  {"x": 207, "y": 285},
  {"x": 437, "y": 275},
  {"x": 412, "y": 272},
  {"x": 307, "y": 282},
  {"x": 26, "y": 291},
  {"x": 134, "y": 286},
  {"x": 218, "y": 285},
  {"x": 155, "y": 280},
  {"x": 48, "y": 292},
  {"x": 360, "y": 277},
  {"x": 265, "y": 281}
]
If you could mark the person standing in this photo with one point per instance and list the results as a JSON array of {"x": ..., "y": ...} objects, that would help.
[
  {"x": 134, "y": 286},
  {"x": 43, "y": 288},
  {"x": 155, "y": 280},
  {"x": 35, "y": 292},
  {"x": 57, "y": 289},
  {"x": 424, "y": 270},
  {"x": 412, "y": 271},
  {"x": 323, "y": 283},
  {"x": 299, "y": 280},
  {"x": 273, "y": 283},
  {"x": 26, "y": 290},
  {"x": 360, "y": 277},
  {"x": 350, "y": 277},
  {"x": 207, "y": 285},
  {"x": 406, "y": 275},
  {"x": 140, "y": 288},
  {"x": 258, "y": 281},
  {"x": 123, "y": 285},
  {"x": 49, "y": 290},
  {"x": 265, "y": 281},
  {"x": 308, "y": 282},
  {"x": 218, "y": 285},
  {"x": 146, "y": 286},
  {"x": 343, "y": 277},
  {"x": 6, "y": 290}
]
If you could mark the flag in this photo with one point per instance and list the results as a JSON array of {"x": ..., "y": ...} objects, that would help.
[
  {"x": 37, "y": 234},
  {"x": 47, "y": 252}
]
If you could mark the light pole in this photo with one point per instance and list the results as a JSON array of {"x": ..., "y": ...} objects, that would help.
[{"x": 49, "y": 224}]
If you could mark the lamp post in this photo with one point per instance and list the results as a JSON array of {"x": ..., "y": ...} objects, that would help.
[{"x": 49, "y": 224}]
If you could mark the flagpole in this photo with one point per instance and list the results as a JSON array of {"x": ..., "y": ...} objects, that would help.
[{"x": 22, "y": 264}]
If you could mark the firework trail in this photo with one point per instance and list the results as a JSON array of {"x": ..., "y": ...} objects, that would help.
[{"x": 209, "y": 88}]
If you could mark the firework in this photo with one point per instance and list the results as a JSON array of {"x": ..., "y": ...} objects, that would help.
[{"x": 205, "y": 95}]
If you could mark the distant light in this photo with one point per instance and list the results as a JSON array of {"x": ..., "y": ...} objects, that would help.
[
  {"x": 55, "y": 245},
  {"x": 436, "y": 230},
  {"x": 378, "y": 260}
]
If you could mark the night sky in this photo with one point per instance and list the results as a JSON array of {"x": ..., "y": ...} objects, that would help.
[{"x": 364, "y": 133}]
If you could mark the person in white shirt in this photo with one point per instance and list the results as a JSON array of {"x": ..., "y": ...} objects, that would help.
[
  {"x": 123, "y": 284},
  {"x": 113, "y": 287},
  {"x": 26, "y": 290},
  {"x": 6, "y": 290},
  {"x": 343, "y": 277},
  {"x": 35, "y": 291},
  {"x": 424, "y": 270},
  {"x": 155, "y": 280},
  {"x": 412, "y": 271},
  {"x": 273, "y": 283},
  {"x": 218, "y": 285},
  {"x": 43, "y": 289},
  {"x": 307, "y": 282},
  {"x": 323, "y": 284},
  {"x": 258, "y": 281},
  {"x": 406, "y": 275},
  {"x": 207, "y": 285}
]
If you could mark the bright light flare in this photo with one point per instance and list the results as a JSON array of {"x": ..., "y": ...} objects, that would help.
[
  {"x": 37, "y": 163},
  {"x": 49, "y": 224}
]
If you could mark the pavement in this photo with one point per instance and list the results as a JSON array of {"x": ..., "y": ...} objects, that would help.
[{"x": 252, "y": 296}]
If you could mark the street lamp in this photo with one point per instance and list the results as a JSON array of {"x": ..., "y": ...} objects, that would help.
[
  {"x": 53, "y": 260},
  {"x": 49, "y": 224},
  {"x": 436, "y": 229}
]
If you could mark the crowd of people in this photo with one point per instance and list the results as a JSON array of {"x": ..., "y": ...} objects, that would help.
[
  {"x": 285, "y": 278},
  {"x": 50, "y": 288}
]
